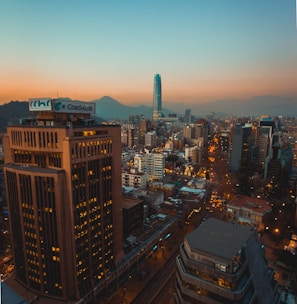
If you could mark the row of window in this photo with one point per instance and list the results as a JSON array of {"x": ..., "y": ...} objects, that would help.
[
  {"x": 34, "y": 139},
  {"x": 91, "y": 148},
  {"x": 40, "y": 159}
]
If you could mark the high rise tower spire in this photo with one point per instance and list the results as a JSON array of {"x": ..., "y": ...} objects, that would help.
[{"x": 157, "y": 105}]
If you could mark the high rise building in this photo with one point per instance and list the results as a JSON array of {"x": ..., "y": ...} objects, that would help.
[
  {"x": 157, "y": 104},
  {"x": 224, "y": 263},
  {"x": 62, "y": 174},
  {"x": 278, "y": 164},
  {"x": 188, "y": 118},
  {"x": 241, "y": 145},
  {"x": 129, "y": 135},
  {"x": 264, "y": 141}
]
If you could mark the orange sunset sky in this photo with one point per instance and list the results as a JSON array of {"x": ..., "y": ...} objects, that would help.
[{"x": 203, "y": 50}]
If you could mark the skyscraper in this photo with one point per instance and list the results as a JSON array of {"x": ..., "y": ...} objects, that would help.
[
  {"x": 62, "y": 174},
  {"x": 157, "y": 105},
  {"x": 241, "y": 138},
  {"x": 188, "y": 116}
]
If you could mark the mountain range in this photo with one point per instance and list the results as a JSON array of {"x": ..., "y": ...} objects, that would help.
[
  {"x": 254, "y": 106},
  {"x": 108, "y": 108}
]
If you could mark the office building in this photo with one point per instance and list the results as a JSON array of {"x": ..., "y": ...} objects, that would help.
[
  {"x": 242, "y": 141},
  {"x": 150, "y": 139},
  {"x": 224, "y": 263},
  {"x": 189, "y": 133},
  {"x": 157, "y": 102},
  {"x": 129, "y": 135},
  {"x": 264, "y": 141},
  {"x": 274, "y": 123},
  {"x": 202, "y": 130},
  {"x": 196, "y": 132},
  {"x": 278, "y": 164},
  {"x": 62, "y": 174},
  {"x": 188, "y": 117}
]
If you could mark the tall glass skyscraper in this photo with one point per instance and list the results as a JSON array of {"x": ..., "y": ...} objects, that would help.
[{"x": 157, "y": 106}]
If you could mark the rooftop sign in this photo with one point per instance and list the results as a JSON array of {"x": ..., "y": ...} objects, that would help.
[
  {"x": 40, "y": 104},
  {"x": 65, "y": 106},
  {"x": 61, "y": 106}
]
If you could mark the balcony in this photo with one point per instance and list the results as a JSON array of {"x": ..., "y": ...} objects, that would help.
[{"x": 212, "y": 286}]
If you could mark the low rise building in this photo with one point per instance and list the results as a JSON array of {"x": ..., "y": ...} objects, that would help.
[
  {"x": 248, "y": 210},
  {"x": 168, "y": 189},
  {"x": 134, "y": 179}
]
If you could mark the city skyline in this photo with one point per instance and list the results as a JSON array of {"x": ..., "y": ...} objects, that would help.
[{"x": 204, "y": 50}]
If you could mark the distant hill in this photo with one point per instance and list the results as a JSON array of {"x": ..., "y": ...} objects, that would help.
[
  {"x": 12, "y": 111},
  {"x": 109, "y": 109}
]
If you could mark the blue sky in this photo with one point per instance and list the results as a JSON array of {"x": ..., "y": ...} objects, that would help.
[{"x": 204, "y": 50}]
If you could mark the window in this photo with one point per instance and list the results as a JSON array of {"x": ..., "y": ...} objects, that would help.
[{"x": 221, "y": 267}]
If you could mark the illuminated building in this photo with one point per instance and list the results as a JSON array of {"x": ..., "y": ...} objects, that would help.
[
  {"x": 62, "y": 174},
  {"x": 223, "y": 263}
]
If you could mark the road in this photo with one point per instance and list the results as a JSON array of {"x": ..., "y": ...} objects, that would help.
[
  {"x": 160, "y": 285},
  {"x": 166, "y": 293}
]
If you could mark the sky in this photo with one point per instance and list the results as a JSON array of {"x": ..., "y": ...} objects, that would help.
[{"x": 204, "y": 50}]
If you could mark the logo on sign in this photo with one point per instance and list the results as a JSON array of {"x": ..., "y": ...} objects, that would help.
[
  {"x": 59, "y": 106},
  {"x": 40, "y": 103}
]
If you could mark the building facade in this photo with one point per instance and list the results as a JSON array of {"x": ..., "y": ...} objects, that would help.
[
  {"x": 134, "y": 179},
  {"x": 150, "y": 139},
  {"x": 133, "y": 215},
  {"x": 153, "y": 164},
  {"x": 129, "y": 135},
  {"x": 241, "y": 145},
  {"x": 62, "y": 173}
]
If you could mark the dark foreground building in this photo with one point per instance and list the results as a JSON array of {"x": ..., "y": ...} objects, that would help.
[
  {"x": 63, "y": 177},
  {"x": 224, "y": 263}
]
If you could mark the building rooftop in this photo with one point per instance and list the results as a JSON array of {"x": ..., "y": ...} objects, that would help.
[
  {"x": 201, "y": 192},
  {"x": 219, "y": 238},
  {"x": 252, "y": 203},
  {"x": 161, "y": 184},
  {"x": 129, "y": 202}
]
